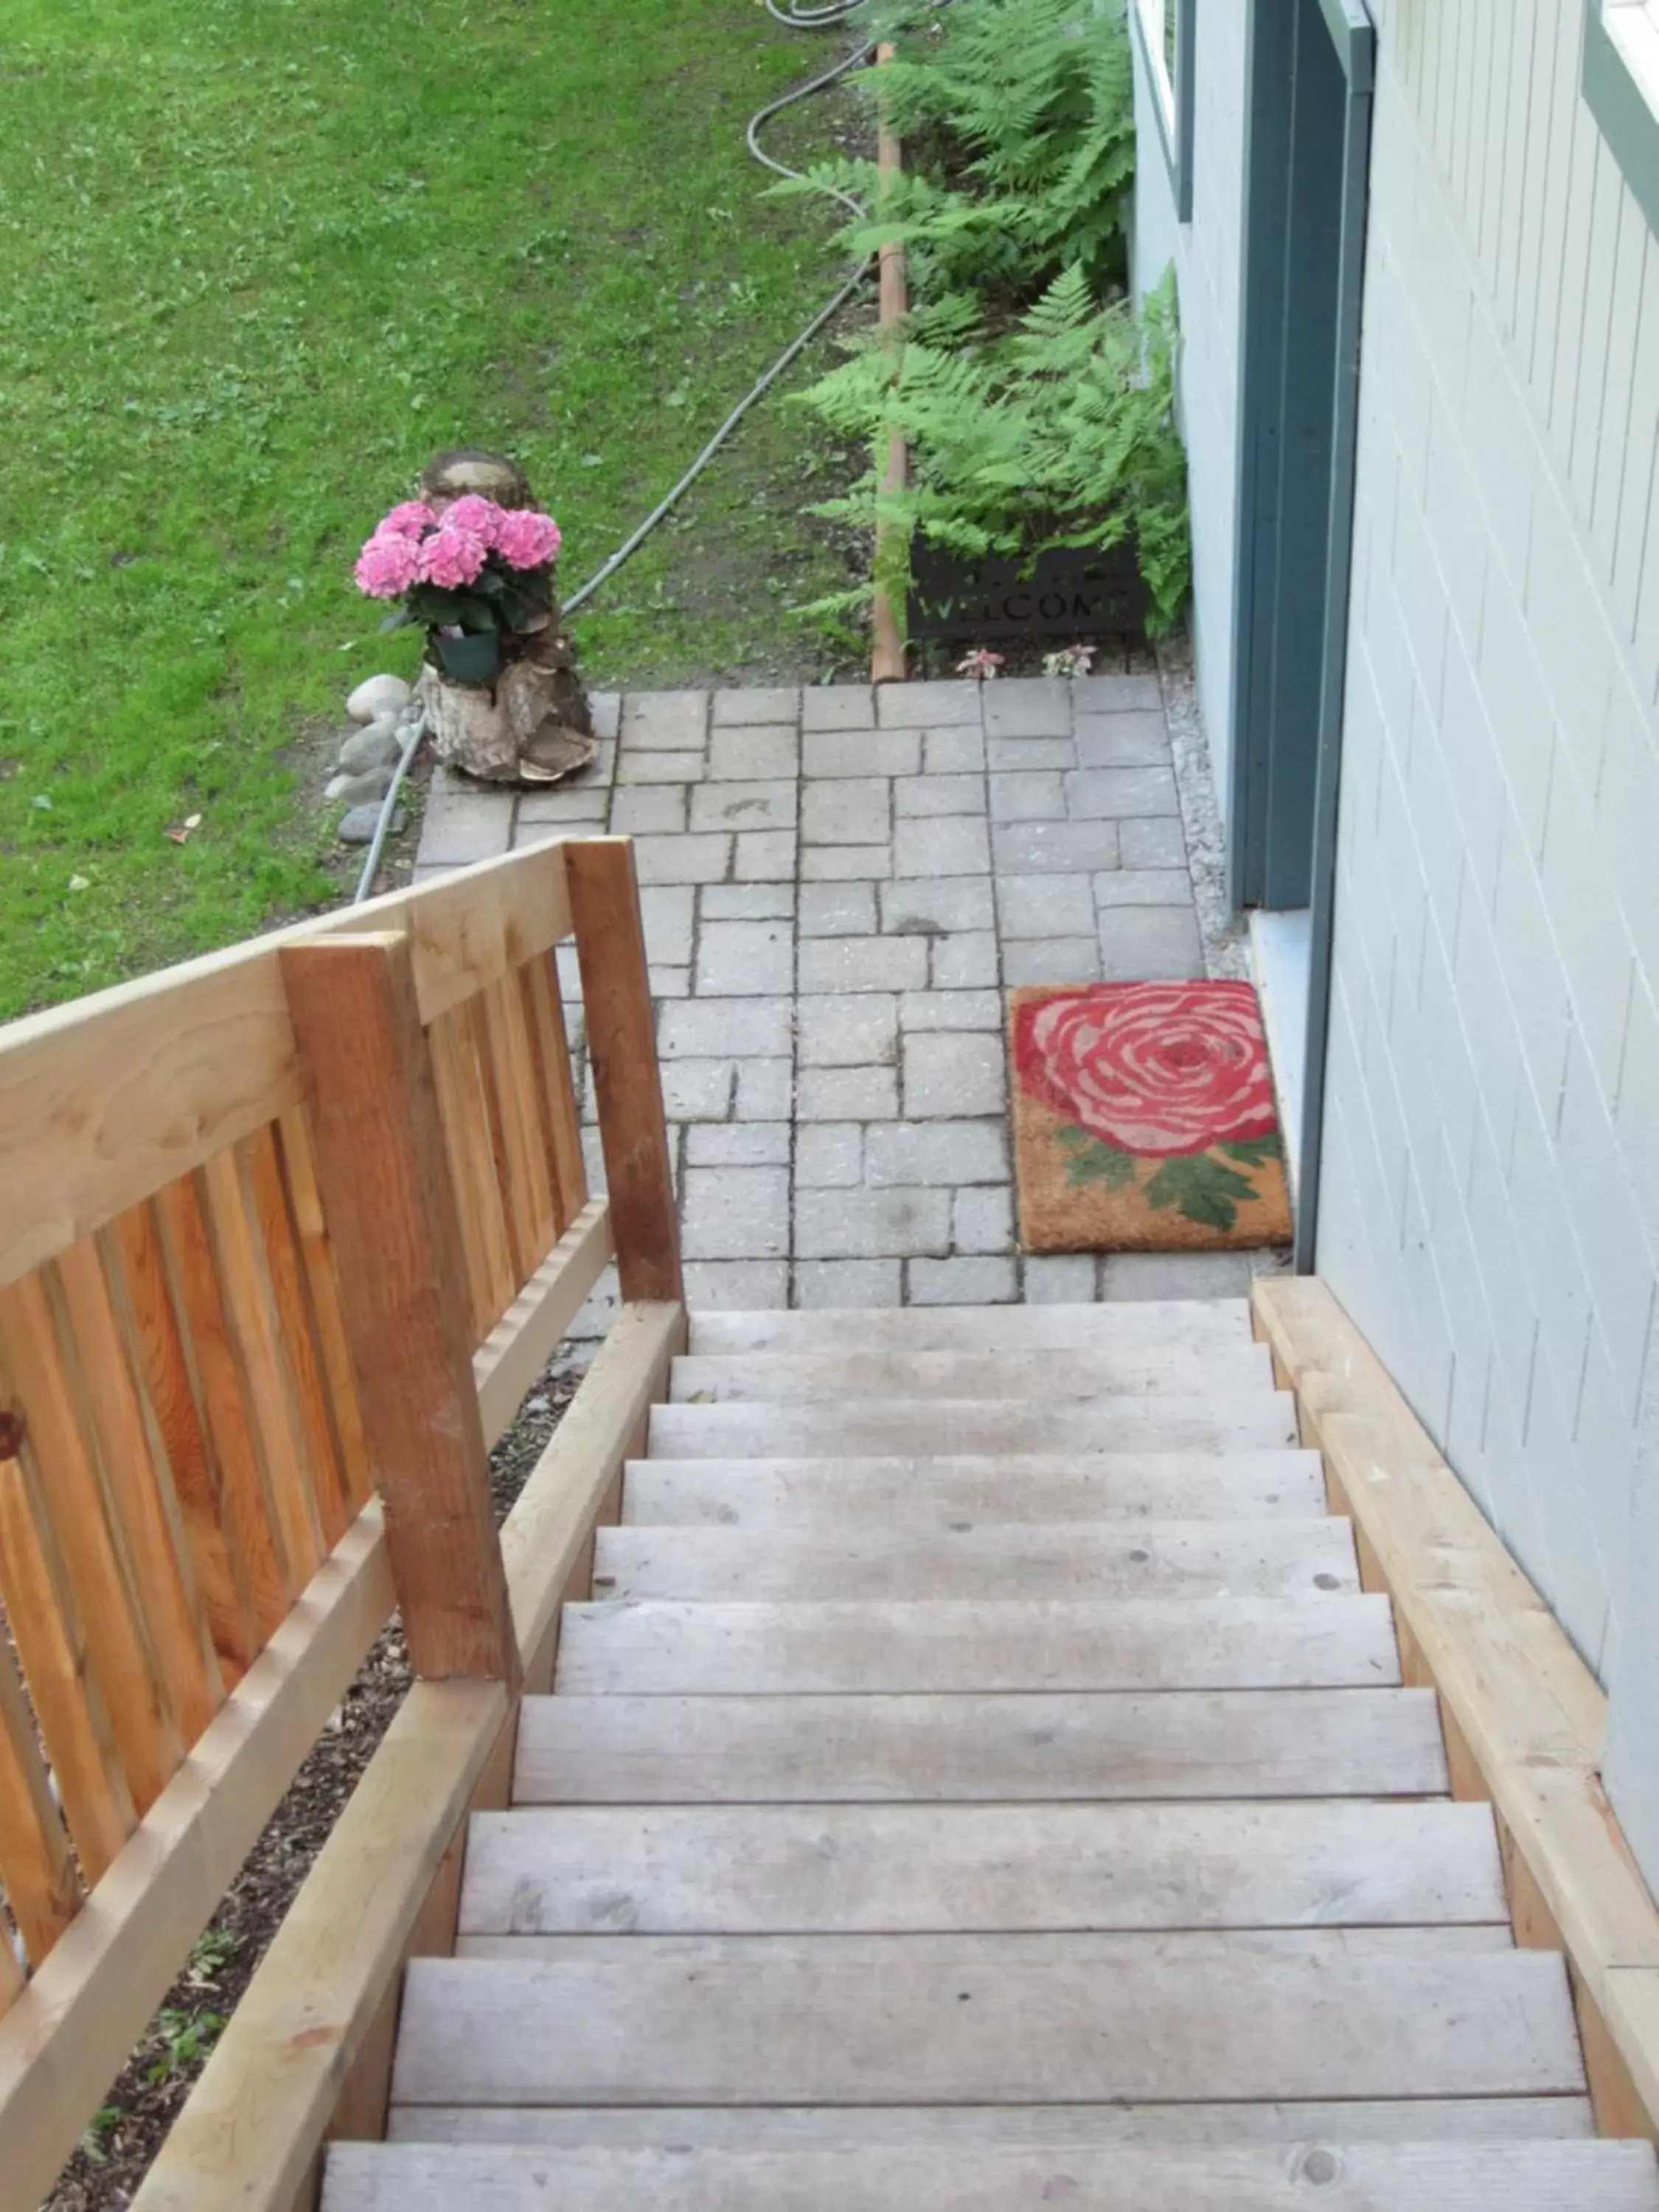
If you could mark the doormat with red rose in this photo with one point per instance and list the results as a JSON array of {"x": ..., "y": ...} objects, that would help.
[{"x": 1144, "y": 1120}]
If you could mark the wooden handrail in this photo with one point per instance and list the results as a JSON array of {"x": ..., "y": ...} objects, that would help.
[{"x": 300, "y": 1220}]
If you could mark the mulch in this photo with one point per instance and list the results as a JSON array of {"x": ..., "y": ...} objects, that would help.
[{"x": 118, "y": 2149}]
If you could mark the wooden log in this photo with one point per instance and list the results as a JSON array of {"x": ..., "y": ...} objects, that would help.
[
  {"x": 621, "y": 1045},
  {"x": 380, "y": 1161}
]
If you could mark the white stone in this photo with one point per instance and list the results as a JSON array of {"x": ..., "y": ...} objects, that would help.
[
  {"x": 746, "y": 901},
  {"x": 1060, "y": 1279},
  {"x": 926, "y": 906},
  {"x": 939, "y": 795},
  {"x": 1052, "y": 960},
  {"x": 765, "y": 1090},
  {"x": 947, "y": 1076},
  {"x": 725, "y": 1028},
  {"x": 828, "y": 1156},
  {"x": 821, "y": 1283},
  {"x": 965, "y": 962},
  {"x": 961, "y": 1282},
  {"x": 735, "y": 1213},
  {"x": 376, "y": 695},
  {"x": 377, "y": 746},
  {"x": 839, "y": 810},
  {"x": 765, "y": 856},
  {"x": 736, "y": 1285},
  {"x": 836, "y": 864},
  {"x": 848, "y": 1030},
  {"x": 951, "y": 1010},
  {"x": 745, "y": 959},
  {"x": 1046, "y": 906},
  {"x": 649, "y": 810},
  {"x": 871, "y": 1224},
  {"x": 983, "y": 1220},
  {"x": 738, "y": 1145},
  {"x": 949, "y": 845},
  {"x": 744, "y": 805},
  {"x": 753, "y": 755},
  {"x": 838, "y": 909},
  {"x": 863, "y": 963},
  {"x": 937, "y": 1152},
  {"x": 846, "y": 1094}
]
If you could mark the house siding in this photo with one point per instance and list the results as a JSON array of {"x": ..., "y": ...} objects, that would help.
[
  {"x": 1206, "y": 253},
  {"x": 1490, "y": 1199}
]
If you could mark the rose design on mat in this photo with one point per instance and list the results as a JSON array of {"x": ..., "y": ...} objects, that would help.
[{"x": 1158, "y": 1069}]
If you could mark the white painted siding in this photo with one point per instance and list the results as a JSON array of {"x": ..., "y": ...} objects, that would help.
[
  {"x": 1206, "y": 253},
  {"x": 1490, "y": 1200}
]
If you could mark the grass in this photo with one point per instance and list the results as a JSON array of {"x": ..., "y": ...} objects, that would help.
[{"x": 258, "y": 263}]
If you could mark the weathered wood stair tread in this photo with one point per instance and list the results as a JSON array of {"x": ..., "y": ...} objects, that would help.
[
  {"x": 781, "y": 1870},
  {"x": 1210, "y": 1422},
  {"x": 676, "y": 1648},
  {"x": 1110, "y": 1745},
  {"x": 1214, "y": 1558},
  {"x": 1586, "y": 2177},
  {"x": 1042, "y": 1946},
  {"x": 1440, "y": 2119},
  {"x": 1186, "y": 1322},
  {"x": 794, "y": 1379},
  {"x": 935, "y": 1491},
  {"x": 783, "y": 2032}
]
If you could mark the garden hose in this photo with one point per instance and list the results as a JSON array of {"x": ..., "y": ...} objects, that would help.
[{"x": 821, "y": 17}]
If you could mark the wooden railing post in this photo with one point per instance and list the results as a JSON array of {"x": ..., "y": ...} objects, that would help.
[
  {"x": 604, "y": 902},
  {"x": 391, "y": 1212}
]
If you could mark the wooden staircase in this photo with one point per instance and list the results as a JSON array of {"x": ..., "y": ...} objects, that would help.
[{"x": 980, "y": 1782}]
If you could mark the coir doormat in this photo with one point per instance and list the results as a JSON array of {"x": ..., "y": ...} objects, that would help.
[{"x": 1144, "y": 1120}]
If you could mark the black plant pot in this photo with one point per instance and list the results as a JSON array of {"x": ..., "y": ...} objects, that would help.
[
  {"x": 473, "y": 658},
  {"x": 1070, "y": 596}
]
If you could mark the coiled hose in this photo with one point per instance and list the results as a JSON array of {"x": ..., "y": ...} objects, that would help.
[{"x": 823, "y": 16}]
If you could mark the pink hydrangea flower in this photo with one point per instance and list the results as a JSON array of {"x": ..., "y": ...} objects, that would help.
[
  {"x": 387, "y": 565},
  {"x": 472, "y": 512},
  {"x": 526, "y": 539},
  {"x": 452, "y": 557},
  {"x": 412, "y": 519}
]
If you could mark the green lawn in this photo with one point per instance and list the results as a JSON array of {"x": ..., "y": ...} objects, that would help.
[{"x": 258, "y": 259}]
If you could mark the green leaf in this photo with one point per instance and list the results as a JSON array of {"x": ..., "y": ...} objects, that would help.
[
  {"x": 1257, "y": 1150},
  {"x": 1201, "y": 1189},
  {"x": 1093, "y": 1160}
]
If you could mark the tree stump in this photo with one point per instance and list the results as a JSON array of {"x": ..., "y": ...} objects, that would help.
[{"x": 533, "y": 724}]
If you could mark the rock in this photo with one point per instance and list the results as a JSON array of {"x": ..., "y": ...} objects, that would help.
[
  {"x": 377, "y": 746},
  {"x": 376, "y": 695},
  {"x": 358, "y": 827},
  {"x": 356, "y": 790}
]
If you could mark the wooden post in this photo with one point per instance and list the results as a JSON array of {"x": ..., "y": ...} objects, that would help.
[
  {"x": 604, "y": 900},
  {"x": 391, "y": 1213}
]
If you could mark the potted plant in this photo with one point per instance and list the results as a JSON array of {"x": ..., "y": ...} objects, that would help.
[{"x": 477, "y": 574}]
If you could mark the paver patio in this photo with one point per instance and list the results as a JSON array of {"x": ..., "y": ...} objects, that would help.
[{"x": 838, "y": 887}]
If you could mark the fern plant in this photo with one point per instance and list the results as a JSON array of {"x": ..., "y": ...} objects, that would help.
[{"x": 1060, "y": 432}]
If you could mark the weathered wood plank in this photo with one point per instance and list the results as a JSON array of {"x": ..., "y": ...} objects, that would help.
[
  {"x": 1264, "y": 1419},
  {"x": 622, "y": 1052},
  {"x": 1046, "y": 1376},
  {"x": 1192, "y": 1324},
  {"x": 1147, "y": 1559},
  {"x": 1519, "y": 1699},
  {"x": 1235, "y": 1743},
  {"x": 943, "y": 1493},
  {"x": 539, "y": 988},
  {"x": 660, "y": 1646},
  {"x": 1440, "y": 2119},
  {"x": 778, "y": 1869},
  {"x": 789, "y": 2032},
  {"x": 379, "y": 1155},
  {"x": 1375, "y": 2177}
]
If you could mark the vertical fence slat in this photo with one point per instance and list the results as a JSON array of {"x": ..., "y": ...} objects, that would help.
[
  {"x": 300, "y": 1169},
  {"x": 244, "y": 1495},
  {"x": 556, "y": 1103},
  {"x": 50, "y": 1641},
  {"x": 12, "y": 1983},
  {"x": 70, "y": 1496},
  {"x": 42, "y": 1887},
  {"x": 526, "y": 1179},
  {"x": 297, "y": 1333},
  {"x": 250, "y": 1310},
  {"x": 622, "y": 1046},
  {"x": 138, "y": 1508},
  {"x": 381, "y": 1163},
  {"x": 483, "y": 1238},
  {"x": 144, "y": 1304}
]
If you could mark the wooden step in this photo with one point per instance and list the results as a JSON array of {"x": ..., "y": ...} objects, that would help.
[
  {"x": 667, "y": 1646},
  {"x": 783, "y": 2031},
  {"x": 940, "y": 1493},
  {"x": 744, "y": 1750},
  {"x": 780, "y": 1869},
  {"x": 1223, "y": 1559},
  {"x": 1264, "y": 1419},
  {"x": 1190, "y": 1323},
  {"x": 837, "y": 1377},
  {"x": 1441, "y": 2120},
  {"x": 1075, "y": 1947},
  {"x": 1344, "y": 2176}
]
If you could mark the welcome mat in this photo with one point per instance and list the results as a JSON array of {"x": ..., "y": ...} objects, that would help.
[{"x": 1145, "y": 1119}]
